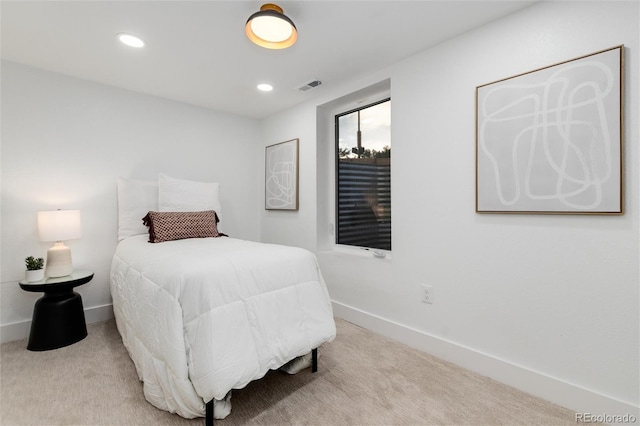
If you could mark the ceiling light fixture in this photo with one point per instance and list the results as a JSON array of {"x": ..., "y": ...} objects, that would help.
[
  {"x": 271, "y": 28},
  {"x": 130, "y": 40},
  {"x": 265, "y": 87}
]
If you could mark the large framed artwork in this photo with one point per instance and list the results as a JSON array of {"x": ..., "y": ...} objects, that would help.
[
  {"x": 551, "y": 140},
  {"x": 281, "y": 176}
]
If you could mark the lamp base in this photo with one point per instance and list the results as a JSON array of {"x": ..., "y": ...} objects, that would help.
[{"x": 58, "y": 261}]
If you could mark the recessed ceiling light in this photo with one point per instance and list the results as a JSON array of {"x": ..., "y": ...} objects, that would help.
[
  {"x": 130, "y": 40},
  {"x": 265, "y": 87}
]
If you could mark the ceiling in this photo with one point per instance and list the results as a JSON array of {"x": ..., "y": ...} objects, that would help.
[{"x": 197, "y": 51}]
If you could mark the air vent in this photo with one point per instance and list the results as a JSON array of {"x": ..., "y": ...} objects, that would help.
[{"x": 310, "y": 85}]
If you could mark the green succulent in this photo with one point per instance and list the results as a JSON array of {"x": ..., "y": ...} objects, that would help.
[{"x": 33, "y": 264}]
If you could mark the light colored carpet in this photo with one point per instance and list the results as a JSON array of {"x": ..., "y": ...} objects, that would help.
[{"x": 363, "y": 379}]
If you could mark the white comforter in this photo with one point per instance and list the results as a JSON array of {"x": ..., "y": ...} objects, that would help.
[{"x": 200, "y": 317}]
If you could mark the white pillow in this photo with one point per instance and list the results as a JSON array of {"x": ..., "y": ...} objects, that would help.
[
  {"x": 135, "y": 199},
  {"x": 177, "y": 195}
]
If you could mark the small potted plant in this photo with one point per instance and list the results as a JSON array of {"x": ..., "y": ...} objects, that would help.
[{"x": 35, "y": 269}]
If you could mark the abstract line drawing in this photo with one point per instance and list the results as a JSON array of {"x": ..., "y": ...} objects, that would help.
[
  {"x": 550, "y": 141},
  {"x": 281, "y": 176}
]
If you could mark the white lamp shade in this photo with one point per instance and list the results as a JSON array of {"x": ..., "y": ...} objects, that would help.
[{"x": 59, "y": 225}]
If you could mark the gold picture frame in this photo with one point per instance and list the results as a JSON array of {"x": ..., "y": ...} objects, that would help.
[
  {"x": 550, "y": 141},
  {"x": 281, "y": 176}
]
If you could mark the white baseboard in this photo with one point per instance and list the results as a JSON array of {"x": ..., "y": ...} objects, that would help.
[
  {"x": 575, "y": 398},
  {"x": 98, "y": 313},
  {"x": 20, "y": 330},
  {"x": 14, "y": 331}
]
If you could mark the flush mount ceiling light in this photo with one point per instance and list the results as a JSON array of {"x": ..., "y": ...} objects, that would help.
[
  {"x": 265, "y": 87},
  {"x": 130, "y": 40},
  {"x": 271, "y": 28}
]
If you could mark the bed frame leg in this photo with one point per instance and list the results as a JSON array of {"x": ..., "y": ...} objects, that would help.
[
  {"x": 314, "y": 360},
  {"x": 209, "y": 407},
  {"x": 208, "y": 420}
]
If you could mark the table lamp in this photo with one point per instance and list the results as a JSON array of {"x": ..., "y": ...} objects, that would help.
[{"x": 58, "y": 226}]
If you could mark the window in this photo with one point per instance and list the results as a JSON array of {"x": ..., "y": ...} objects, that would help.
[{"x": 363, "y": 176}]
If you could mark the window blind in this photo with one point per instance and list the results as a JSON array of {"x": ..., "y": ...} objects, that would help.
[{"x": 364, "y": 202}]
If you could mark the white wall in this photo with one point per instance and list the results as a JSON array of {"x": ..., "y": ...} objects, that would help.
[
  {"x": 549, "y": 304},
  {"x": 296, "y": 228},
  {"x": 64, "y": 143}
]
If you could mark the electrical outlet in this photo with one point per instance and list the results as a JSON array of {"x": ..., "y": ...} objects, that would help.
[{"x": 427, "y": 294}]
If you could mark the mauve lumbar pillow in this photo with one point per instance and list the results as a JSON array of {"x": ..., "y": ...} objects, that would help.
[{"x": 169, "y": 226}]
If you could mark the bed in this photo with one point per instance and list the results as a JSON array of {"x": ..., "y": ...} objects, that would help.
[{"x": 201, "y": 315}]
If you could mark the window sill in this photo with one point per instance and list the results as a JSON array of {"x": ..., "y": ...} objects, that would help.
[{"x": 360, "y": 252}]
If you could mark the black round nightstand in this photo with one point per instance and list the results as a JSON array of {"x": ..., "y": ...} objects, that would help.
[{"x": 58, "y": 316}]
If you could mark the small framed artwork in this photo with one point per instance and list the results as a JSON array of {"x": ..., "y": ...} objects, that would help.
[
  {"x": 550, "y": 141},
  {"x": 281, "y": 176}
]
